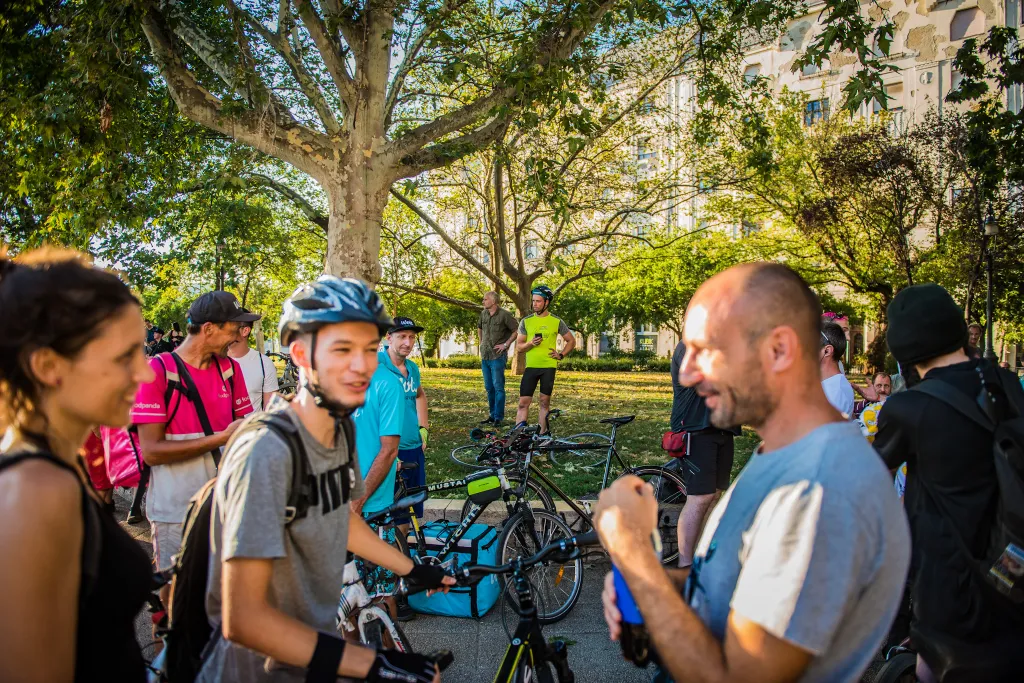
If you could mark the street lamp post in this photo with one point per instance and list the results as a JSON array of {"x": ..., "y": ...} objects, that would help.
[{"x": 991, "y": 230}]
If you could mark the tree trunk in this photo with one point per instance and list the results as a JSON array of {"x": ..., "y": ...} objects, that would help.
[
  {"x": 357, "y": 196},
  {"x": 878, "y": 348}
]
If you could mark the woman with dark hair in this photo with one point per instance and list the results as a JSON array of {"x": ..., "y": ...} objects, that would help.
[
  {"x": 71, "y": 580},
  {"x": 176, "y": 336}
]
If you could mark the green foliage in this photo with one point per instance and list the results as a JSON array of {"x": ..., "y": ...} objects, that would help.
[
  {"x": 89, "y": 140},
  {"x": 578, "y": 363},
  {"x": 654, "y": 286}
]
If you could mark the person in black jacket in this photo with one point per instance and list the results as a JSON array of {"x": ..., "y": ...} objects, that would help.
[
  {"x": 960, "y": 631},
  {"x": 710, "y": 449}
]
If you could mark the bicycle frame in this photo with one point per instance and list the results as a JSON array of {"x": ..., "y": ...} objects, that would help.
[
  {"x": 507, "y": 491},
  {"x": 528, "y": 641}
]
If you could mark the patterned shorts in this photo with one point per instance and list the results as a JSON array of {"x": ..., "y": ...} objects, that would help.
[{"x": 377, "y": 579}]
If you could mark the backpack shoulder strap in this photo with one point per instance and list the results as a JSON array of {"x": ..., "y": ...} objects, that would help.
[
  {"x": 197, "y": 401},
  {"x": 300, "y": 494},
  {"x": 956, "y": 400},
  {"x": 173, "y": 383}
]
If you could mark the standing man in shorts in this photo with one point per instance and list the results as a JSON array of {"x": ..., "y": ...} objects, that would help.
[
  {"x": 709, "y": 448},
  {"x": 538, "y": 336}
]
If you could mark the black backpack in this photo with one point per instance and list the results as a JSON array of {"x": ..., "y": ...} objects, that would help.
[
  {"x": 189, "y": 629},
  {"x": 1001, "y": 568}
]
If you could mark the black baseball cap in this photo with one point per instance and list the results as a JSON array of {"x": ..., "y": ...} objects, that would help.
[
  {"x": 402, "y": 323},
  {"x": 219, "y": 307}
]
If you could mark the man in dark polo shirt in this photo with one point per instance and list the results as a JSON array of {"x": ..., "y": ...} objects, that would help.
[
  {"x": 497, "y": 334},
  {"x": 710, "y": 449}
]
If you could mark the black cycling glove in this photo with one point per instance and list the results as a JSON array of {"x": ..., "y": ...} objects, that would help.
[
  {"x": 425, "y": 577},
  {"x": 391, "y": 666}
]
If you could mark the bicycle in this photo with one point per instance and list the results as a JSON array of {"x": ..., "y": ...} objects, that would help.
[
  {"x": 289, "y": 379},
  {"x": 527, "y": 527},
  {"x": 468, "y": 455},
  {"x": 374, "y": 624},
  {"x": 529, "y": 656},
  {"x": 669, "y": 487}
]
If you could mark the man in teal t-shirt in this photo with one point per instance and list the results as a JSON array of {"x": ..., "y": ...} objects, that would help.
[
  {"x": 401, "y": 342},
  {"x": 378, "y": 431}
]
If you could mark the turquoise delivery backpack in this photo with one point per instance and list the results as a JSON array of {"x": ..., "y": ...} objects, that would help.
[{"x": 478, "y": 546}]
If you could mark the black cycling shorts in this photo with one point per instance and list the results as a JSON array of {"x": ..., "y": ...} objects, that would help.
[
  {"x": 712, "y": 451},
  {"x": 545, "y": 376}
]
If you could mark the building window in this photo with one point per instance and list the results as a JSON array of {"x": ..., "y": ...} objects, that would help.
[
  {"x": 751, "y": 73},
  {"x": 647, "y": 106},
  {"x": 751, "y": 227},
  {"x": 809, "y": 69},
  {"x": 955, "y": 78},
  {"x": 644, "y": 149},
  {"x": 816, "y": 110},
  {"x": 967, "y": 22},
  {"x": 472, "y": 222},
  {"x": 530, "y": 250}
]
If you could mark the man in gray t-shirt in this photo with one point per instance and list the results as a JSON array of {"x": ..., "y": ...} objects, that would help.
[
  {"x": 248, "y": 522},
  {"x": 793, "y": 548},
  {"x": 799, "y": 571},
  {"x": 273, "y": 585}
]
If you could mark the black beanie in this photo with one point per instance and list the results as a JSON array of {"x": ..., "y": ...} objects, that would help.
[{"x": 924, "y": 323}]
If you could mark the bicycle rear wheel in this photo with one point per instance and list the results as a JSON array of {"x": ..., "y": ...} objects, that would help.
[
  {"x": 670, "y": 491},
  {"x": 556, "y": 585},
  {"x": 587, "y": 457}
]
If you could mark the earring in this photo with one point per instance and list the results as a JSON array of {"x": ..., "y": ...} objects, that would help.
[{"x": 59, "y": 382}]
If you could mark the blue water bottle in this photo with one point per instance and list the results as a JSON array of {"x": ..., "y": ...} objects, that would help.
[{"x": 635, "y": 639}]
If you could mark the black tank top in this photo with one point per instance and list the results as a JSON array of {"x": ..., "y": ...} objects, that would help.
[{"x": 106, "y": 648}]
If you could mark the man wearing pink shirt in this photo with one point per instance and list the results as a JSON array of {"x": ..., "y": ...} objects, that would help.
[{"x": 181, "y": 452}]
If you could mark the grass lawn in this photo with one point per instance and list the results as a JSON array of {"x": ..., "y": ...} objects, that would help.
[{"x": 458, "y": 402}]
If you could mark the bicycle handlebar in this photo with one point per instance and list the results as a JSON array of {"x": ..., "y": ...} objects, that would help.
[{"x": 566, "y": 548}]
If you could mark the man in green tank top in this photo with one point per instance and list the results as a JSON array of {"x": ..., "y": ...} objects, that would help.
[{"x": 538, "y": 335}]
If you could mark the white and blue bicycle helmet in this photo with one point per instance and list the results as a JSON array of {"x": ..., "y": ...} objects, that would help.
[{"x": 326, "y": 301}]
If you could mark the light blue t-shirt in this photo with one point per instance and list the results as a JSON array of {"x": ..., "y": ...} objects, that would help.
[
  {"x": 411, "y": 387},
  {"x": 811, "y": 543},
  {"x": 381, "y": 415}
]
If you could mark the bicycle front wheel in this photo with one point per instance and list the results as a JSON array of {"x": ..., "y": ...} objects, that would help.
[
  {"x": 466, "y": 456},
  {"x": 379, "y": 631},
  {"x": 529, "y": 673},
  {"x": 670, "y": 491},
  {"x": 582, "y": 457},
  {"x": 556, "y": 585}
]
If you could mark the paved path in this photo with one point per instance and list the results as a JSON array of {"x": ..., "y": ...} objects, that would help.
[{"x": 478, "y": 646}]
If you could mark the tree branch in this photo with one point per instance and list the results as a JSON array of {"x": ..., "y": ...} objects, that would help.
[
  {"x": 293, "y": 144},
  {"x": 314, "y": 215},
  {"x": 409, "y": 60},
  {"x": 461, "y": 303},
  {"x": 308, "y": 85},
  {"x": 452, "y": 244},
  {"x": 330, "y": 52}
]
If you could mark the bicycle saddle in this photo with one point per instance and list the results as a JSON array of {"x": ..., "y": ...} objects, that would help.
[{"x": 619, "y": 421}]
